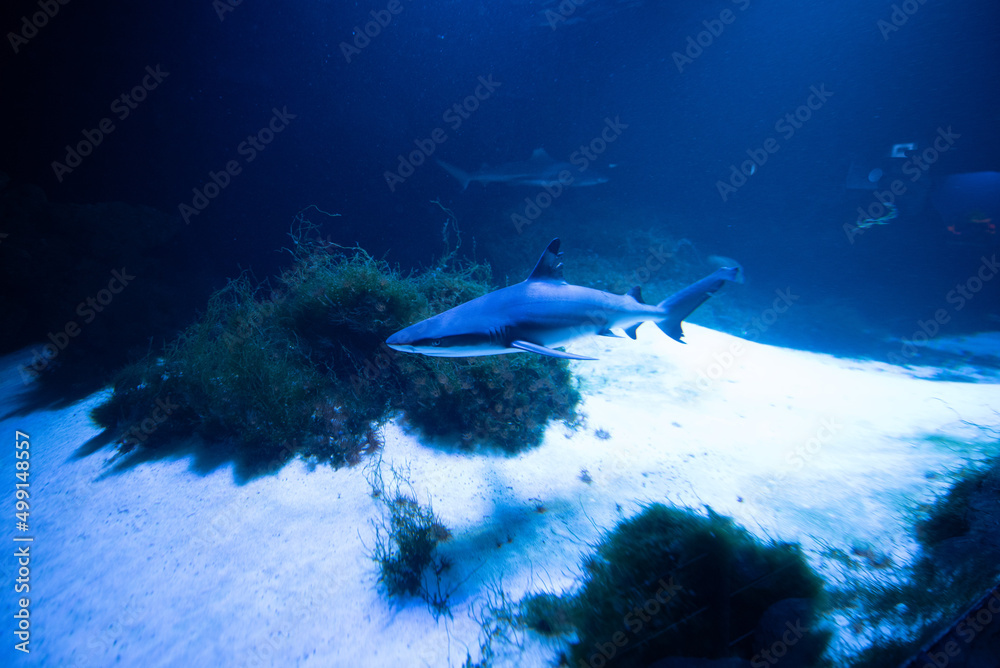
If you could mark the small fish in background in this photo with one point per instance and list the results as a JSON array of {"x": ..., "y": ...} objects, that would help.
[
  {"x": 720, "y": 261},
  {"x": 865, "y": 223}
]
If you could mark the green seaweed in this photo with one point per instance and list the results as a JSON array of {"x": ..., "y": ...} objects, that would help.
[
  {"x": 500, "y": 626},
  {"x": 670, "y": 582},
  {"x": 407, "y": 548},
  {"x": 503, "y": 402},
  {"x": 949, "y": 516},
  {"x": 959, "y": 560},
  {"x": 231, "y": 374},
  {"x": 546, "y": 614},
  {"x": 406, "y": 540},
  {"x": 298, "y": 366}
]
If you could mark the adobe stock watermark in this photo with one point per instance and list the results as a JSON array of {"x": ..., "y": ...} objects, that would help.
[
  {"x": 104, "y": 640},
  {"x": 30, "y": 25},
  {"x": 947, "y": 648},
  {"x": 563, "y": 11},
  {"x": 138, "y": 434},
  {"x": 223, "y": 7},
  {"x": 779, "y": 648},
  {"x": 633, "y": 621},
  {"x": 122, "y": 107},
  {"x": 901, "y": 13},
  {"x": 696, "y": 44},
  {"x": 581, "y": 158},
  {"x": 453, "y": 116},
  {"x": 375, "y": 368},
  {"x": 786, "y": 126},
  {"x": 600, "y": 318},
  {"x": 958, "y": 297},
  {"x": 723, "y": 361},
  {"x": 248, "y": 149},
  {"x": 228, "y": 521},
  {"x": 268, "y": 652},
  {"x": 915, "y": 166},
  {"x": 87, "y": 310},
  {"x": 363, "y": 35},
  {"x": 804, "y": 452}
]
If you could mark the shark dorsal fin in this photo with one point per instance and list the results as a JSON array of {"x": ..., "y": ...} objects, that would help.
[
  {"x": 636, "y": 294},
  {"x": 541, "y": 154},
  {"x": 549, "y": 268}
]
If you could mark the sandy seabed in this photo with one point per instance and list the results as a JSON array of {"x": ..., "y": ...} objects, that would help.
[{"x": 162, "y": 565}]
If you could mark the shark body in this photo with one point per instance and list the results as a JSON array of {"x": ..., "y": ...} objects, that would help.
[
  {"x": 539, "y": 170},
  {"x": 544, "y": 312}
]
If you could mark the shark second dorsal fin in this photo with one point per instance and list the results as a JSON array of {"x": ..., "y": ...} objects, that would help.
[
  {"x": 549, "y": 267},
  {"x": 636, "y": 294}
]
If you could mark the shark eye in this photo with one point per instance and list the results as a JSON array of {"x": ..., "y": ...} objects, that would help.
[{"x": 435, "y": 342}]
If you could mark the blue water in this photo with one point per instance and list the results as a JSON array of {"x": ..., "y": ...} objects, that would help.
[
  {"x": 842, "y": 151},
  {"x": 697, "y": 89}
]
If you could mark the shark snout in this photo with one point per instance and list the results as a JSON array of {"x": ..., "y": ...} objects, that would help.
[
  {"x": 405, "y": 340},
  {"x": 397, "y": 342}
]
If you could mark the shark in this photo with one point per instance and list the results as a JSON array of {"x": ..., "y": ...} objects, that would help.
[
  {"x": 539, "y": 170},
  {"x": 545, "y": 312}
]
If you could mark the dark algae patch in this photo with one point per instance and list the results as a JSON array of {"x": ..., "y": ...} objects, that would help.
[
  {"x": 671, "y": 583},
  {"x": 958, "y": 564},
  {"x": 298, "y": 365}
]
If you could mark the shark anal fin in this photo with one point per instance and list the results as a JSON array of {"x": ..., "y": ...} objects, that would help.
[
  {"x": 608, "y": 332},
  {"x": 527, "y": 346},
  {"x": 632, "y": 330}
]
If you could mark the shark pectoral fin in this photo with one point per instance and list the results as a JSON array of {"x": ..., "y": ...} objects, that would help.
[{"x": 527, "y": 346}]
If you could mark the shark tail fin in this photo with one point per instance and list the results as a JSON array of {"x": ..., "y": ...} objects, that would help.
[
  {"x": 461, "y": 176},
  {"x": 682, "y": 304}
]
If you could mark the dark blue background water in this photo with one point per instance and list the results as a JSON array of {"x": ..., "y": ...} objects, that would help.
[{"x": 559, "y": 81}]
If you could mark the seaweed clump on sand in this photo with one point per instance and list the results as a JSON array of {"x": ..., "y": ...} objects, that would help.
[
  {"x": 301, "y": 367},
  {"x": 405, "y": 543},
  {"x": 929, "y": 614},
  {"x": 670, "y": 583},
  {"x": 502, "y": 402}
]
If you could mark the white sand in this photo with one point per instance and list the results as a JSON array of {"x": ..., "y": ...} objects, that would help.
[{"x": 160, "y": 565}]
